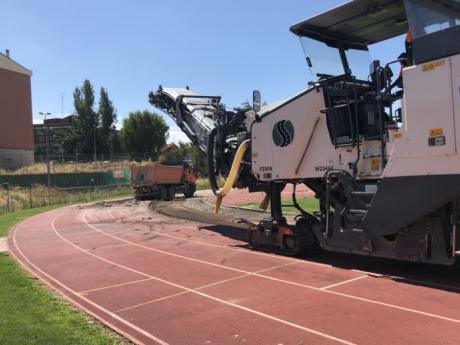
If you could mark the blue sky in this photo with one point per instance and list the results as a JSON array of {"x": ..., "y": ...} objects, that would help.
[{"x": 225, "y": 48}]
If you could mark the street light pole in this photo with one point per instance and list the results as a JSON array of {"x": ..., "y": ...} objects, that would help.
[{"x": 48, "y": 168}]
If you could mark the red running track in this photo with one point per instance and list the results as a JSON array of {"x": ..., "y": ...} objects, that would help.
[{"x": 160, "y": 280}]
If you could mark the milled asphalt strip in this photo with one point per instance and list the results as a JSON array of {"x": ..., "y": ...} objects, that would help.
[
  {"x": 119, "y": 319},
  {"x": 415, "y": 311},
  {"x": 252, "y": 252},
  {"x": 159, "y": 250},
  {"x": 237, "y": 306}
]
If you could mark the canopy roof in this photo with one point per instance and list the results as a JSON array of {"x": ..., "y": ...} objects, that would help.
[
  {"x": 357, "y": 23},
  {"x": 360, "y": 23}
]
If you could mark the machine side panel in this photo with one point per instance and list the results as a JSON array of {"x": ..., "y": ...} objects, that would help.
[
  {"x": 417, "y": 196},
  {"x": 456, "y": 96},
  {"x": 429, "y": 106},
  {"x": 428, "y": 145},
  {"x": 280, "y": 139}
]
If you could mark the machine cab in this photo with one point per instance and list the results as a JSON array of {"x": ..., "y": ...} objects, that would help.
[{"x": 363, "y": 101}]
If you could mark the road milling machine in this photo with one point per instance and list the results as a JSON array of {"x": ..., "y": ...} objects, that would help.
[{"x": 383, "y": 160}]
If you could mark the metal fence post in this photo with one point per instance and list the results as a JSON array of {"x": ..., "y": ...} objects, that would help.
[
  {"x": 30, "y": 196},
  {"x": 6, "y": 186},
  {"x": 48, "y": 168}
]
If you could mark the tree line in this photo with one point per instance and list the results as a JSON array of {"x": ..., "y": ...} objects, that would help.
[
  {"x": 143, "y": 134},
  {"x": 93, "y": 132}
]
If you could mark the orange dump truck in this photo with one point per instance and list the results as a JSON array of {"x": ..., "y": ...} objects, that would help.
[{"x": 162, "y": 180}]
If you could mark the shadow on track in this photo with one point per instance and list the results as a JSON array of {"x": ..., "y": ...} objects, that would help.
[{"x": 439, "y": 277}]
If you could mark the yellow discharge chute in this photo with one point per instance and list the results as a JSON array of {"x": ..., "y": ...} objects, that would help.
[{"x": 232, "y": 176}]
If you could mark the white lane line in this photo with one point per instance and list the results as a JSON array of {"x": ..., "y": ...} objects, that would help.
[
  {"x": 415, "y": 311},
  {"x": 151, "y": 302},
  {"x": 239, "y": 250},
  {"x": 159, "y": 250},
  {"x": 252, "y": 252},
  {"x": 200, "y": 288},
  {"x": 119, "y": 319},
  {"x": 343, "y": 282},
  {"x": 423, "y": 282},
  {"x": 113, "y": 286},
  {"x": 192, "y": 259},
  {"x": 267, "y": 316},
  {"x": 108, "y": 246},
  {"x": 399, "y": 279},
  {"x": 435, "y": 316},
  {"x": 436, "y": 285}
]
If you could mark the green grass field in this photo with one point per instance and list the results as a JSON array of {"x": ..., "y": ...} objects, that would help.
[
  {"x": 8, "y": 220},
  {"x": 22, "y": 198},
  {"x": 308, "y": 204},
  {"x": 32, "y": 314}
]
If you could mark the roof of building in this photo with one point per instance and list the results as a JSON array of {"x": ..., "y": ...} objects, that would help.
[
  {"x": 10, "y": 65},
  {"x": 65, "y": 121},
  {"x": 57, "y": 122},
  {"x": 169, "y": 147}
]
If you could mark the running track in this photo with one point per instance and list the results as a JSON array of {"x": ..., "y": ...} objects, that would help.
[{"x": 159, "y": 280}]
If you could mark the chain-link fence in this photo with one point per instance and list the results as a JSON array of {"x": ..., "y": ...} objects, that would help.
[
  {"x": 14, "y": 198},
  {"x": 60, "y": 165},
  {"x": 83, "y": 158}
]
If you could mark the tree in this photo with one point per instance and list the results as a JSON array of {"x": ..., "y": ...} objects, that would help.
[
  {"x": 199, "y": 161},
  {"x": 144, "y": 134},
  {"x": 87, "y": 119},
  {"x": 71, "y": 140},
  {"x": 108, "y": 117}
]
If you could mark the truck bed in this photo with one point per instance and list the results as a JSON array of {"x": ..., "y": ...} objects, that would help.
[{"x": 154, "y": 174}]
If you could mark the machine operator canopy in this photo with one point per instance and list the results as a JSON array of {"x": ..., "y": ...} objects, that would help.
[
  {"x": 361, "y": 23},
  {"x": 357, "y": 24}
]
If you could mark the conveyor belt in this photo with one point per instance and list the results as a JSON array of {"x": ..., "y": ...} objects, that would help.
[{"x": 194, "y": 114}]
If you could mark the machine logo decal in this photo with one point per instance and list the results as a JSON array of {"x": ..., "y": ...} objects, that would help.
[{"x": 283, "y": 133}]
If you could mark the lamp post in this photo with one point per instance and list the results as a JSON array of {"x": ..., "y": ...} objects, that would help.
[{"x": 48, "y": 169}]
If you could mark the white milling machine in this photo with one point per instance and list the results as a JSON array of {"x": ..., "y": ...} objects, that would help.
[{"x": 384, "y": 163}]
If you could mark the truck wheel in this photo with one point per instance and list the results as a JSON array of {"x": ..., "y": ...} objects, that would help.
[
  {"x": 189, "y": 190},
  {"x": 163, "y": 193},
  {"x": 139, "y": 194},
  {"x": 171, "y": 193}
]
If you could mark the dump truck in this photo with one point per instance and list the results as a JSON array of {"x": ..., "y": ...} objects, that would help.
[
  {"x": 380, "y": 151},
  {"x": 162, "y": 180}
]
